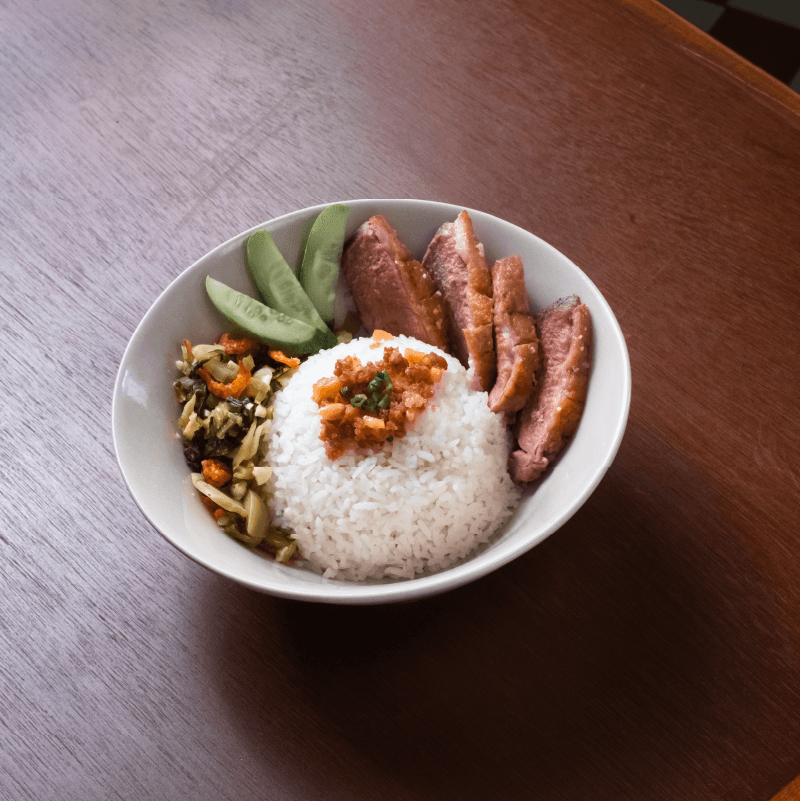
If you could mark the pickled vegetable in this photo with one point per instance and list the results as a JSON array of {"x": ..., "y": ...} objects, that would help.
[{"x": 257, "y": 515}]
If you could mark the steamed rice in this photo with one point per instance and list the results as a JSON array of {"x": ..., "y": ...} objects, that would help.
[{"x": 420, "y": 505}]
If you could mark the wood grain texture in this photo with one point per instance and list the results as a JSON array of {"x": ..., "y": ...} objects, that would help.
[{"x": 648, "y": 650}]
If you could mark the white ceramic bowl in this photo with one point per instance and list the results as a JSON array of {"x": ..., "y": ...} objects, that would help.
[{"x": 145, "y": 412}]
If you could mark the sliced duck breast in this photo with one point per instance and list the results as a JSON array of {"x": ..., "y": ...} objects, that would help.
[
  {"x": 515, "y": 337},
  {"x": 552, "y": 413},
  {"x": 390, "y": 289},
  {"x": 456, "y": 262}
]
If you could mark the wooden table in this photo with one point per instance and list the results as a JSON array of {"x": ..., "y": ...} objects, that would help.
[{"x": 650, "y": 649}]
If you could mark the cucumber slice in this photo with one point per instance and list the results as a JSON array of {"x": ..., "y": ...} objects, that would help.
[
  {"x": 322, "y": 255},
  {"x": 276, "y": 282},
  {"x": 265, "y": 324}
]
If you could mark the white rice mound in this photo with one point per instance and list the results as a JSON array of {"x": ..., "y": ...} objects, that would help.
[{"x": 418, "y": 506}]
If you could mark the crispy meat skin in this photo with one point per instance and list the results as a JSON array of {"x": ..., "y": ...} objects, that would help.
[
  {"x": 389, "y": 287},
  {"x": 515, "y": 337},
  {"x": 456, "y": 263},
  {"x": 552, "y": 413}
]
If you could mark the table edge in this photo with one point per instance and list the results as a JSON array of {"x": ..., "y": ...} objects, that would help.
[{"x": 706, "y": 46}]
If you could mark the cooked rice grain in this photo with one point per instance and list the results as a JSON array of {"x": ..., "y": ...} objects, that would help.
[{"x": 420, "y": 506}]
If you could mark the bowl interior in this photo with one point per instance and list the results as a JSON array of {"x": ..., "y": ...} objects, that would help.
[{"x": 145, "y": 412}]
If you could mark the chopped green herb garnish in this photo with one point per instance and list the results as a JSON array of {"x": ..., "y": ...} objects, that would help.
[
  {"x": 381, "y": 378},
  {"x": 380, "y": 397}
]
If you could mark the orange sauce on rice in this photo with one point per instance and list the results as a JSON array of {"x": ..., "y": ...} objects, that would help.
[{"x": 366, "y": 405}]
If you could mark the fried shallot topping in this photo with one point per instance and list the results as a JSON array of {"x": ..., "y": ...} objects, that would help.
[{"x": 366, "y": 405}]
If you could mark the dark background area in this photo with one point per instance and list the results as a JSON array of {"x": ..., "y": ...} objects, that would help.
[{"x": 765, "y": 32}]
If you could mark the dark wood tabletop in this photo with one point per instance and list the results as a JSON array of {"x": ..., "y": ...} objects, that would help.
[{"x": 650, "y": 649}]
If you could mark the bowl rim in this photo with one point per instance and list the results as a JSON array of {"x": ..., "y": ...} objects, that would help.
[{"x": 353, "y": 593}]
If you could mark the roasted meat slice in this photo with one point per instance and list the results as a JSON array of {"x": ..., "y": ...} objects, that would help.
[
  {"x": 389, "y": 287},
  {"x": 515, "y": 337},
  {"x": 456, "y": 262},
  {"x": 552, "y": 413}
]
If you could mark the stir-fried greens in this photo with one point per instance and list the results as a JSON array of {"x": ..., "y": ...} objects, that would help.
[{"x": 227, "y": 411}]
